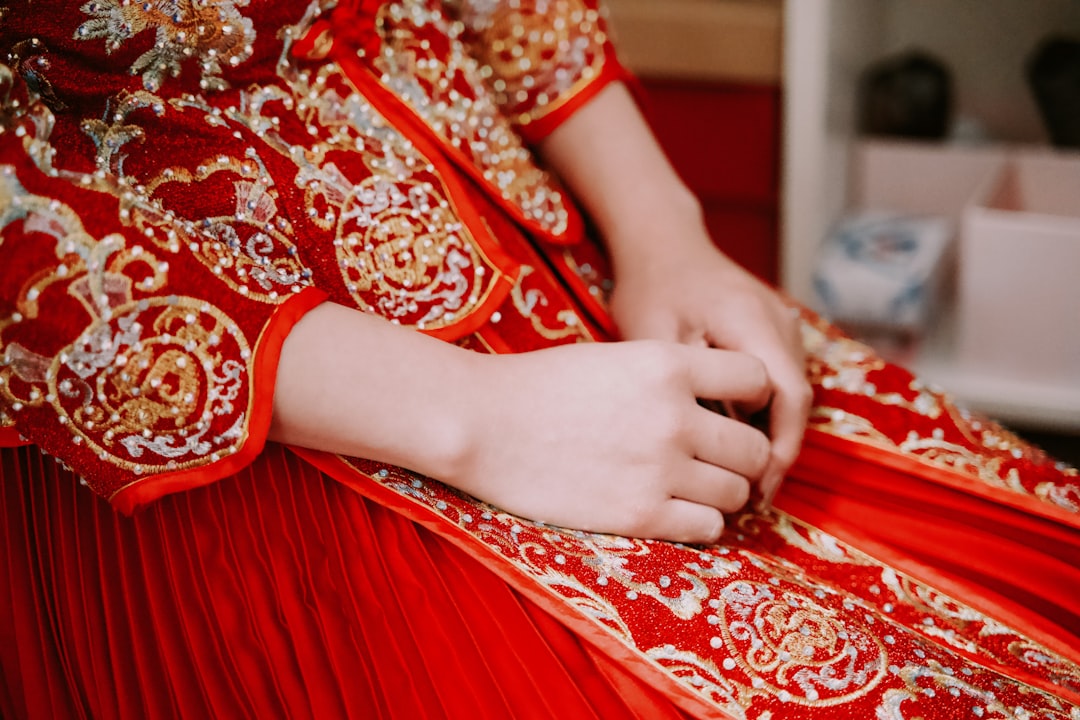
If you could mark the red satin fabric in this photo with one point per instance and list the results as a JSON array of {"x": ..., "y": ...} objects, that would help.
[
  {"x": 1017, "y": 561},
  {"x": 275, "y": 593}
]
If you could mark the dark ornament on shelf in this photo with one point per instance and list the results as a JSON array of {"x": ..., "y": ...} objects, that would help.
[
  {"x": 907, "y": 95},
  {"x": 1053, "y": 72}
]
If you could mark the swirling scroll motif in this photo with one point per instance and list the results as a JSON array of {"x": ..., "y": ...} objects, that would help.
[
  {"x": 148, "y": 382},
  {"x": 802, "y": 649},
  {"x": 417, "y": 269}
]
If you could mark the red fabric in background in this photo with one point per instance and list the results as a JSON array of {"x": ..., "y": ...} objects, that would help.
[
  {"x": 296, "y": 598},
  {"x": 724, "y": 140}
]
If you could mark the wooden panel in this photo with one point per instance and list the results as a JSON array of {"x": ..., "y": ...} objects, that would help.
[{"x": 734, "y": 40}]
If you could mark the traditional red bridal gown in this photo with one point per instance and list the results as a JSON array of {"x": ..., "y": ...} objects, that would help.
[{"x": 181, "y": 181}]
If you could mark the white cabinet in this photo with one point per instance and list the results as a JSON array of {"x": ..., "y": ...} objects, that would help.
[{"x": 827, "y": 45}]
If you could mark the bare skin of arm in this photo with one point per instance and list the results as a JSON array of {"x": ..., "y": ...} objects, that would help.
[
  {"x": 601, "y": 437},
  {"x": 671, "y": 282}
]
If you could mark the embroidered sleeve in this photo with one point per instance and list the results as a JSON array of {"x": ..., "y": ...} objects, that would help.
[
  {"x": 542, "y": 58},
  {"x": 137, "y": 345}
]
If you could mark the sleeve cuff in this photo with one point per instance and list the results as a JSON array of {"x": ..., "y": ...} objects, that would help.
[
  {"x": 144, "y": 491},
  {"x": 543, "y": 120}
]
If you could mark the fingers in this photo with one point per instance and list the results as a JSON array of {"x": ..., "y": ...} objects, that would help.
[
  {"x": 687, "y": 522},
  {"x": 787, "y": 423},
  {"x": 729, "y": 376},
  {"x": 770, "y": 334},
  {"x": 716, "y": 487},
  {"x": 729, "y": 444},
  {"x": 789, "y": 409}
]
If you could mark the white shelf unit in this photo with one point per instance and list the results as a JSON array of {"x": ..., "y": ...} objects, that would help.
[{"x": 827, "y": 45}]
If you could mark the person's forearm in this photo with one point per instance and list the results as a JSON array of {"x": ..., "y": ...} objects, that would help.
[
  {"x": 607, "y": 437},
  {"x": 354, "y": 384},
  {"x": 611, "y": 162},
  {"x": 671, "y": 281}
]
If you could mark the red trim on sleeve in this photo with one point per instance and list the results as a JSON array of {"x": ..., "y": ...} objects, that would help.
[
  {"x": 611, "y": 71},
  {"x": 264, "y": 376}
]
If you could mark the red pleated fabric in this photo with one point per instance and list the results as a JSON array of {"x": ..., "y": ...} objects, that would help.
[
  {"x": 1012, "y": 557},
  {"x": 274, "y": 593}
]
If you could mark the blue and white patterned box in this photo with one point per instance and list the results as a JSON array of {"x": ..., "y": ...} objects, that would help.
[{"x": 883, "y": 270}]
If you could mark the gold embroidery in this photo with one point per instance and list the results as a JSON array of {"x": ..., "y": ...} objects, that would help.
[
  {"x": 959, "y": 440},
  {"x": 401, "y": 249},
  {"x": 395, "y": 260},
  {"x": 212, "y": 32},
  {"x": 751, "y": 627},
  {"x": 445, "y": 88},
  {"x": 926, "y": 680},
  {"x": 1058, "y": 669},
  {"x": 249, "y": 246},
  {"x": 9, "y": 110},
  {"x": 816, "y": 543},
  {"x": 144, "y": 381},
  {"x": 804, "y": 649},
  {"x": 538, "y": 52},
  {"x": 152, "y": 407},
  {"x": 531, "y": 301}
]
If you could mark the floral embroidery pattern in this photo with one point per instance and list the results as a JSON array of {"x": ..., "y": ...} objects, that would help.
[
  {"x": 150, "y": 381},
  {"x": 922, "y": 422},
  {"x": 212, "y": 33},
  {"x": 748, "y": 625}
]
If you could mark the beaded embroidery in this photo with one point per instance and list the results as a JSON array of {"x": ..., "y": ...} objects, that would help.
[
  {"x": 212, "y": 32},
  {"x": 860, "y": 397},
  {"x": 423, "y": 60},
  {"x": 536, "y": 52},
  {"x": 153, "y": 382},
  {"x": 757, "y": 628}
]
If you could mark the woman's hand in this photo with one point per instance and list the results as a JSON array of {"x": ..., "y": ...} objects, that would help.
[
  {"x": 601, "y": 436},
  {"x": 684, "y": 290},
  {"x": 610, "y": 438},
  {"x": 670, "y": 281}
]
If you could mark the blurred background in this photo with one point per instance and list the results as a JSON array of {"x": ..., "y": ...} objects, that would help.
[{"x": 909, "y": 168}]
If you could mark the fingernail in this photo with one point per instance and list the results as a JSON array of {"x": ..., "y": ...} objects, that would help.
[{"x": 769, "y": 489}]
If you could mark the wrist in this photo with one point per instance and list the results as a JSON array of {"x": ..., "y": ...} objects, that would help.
[
  {"x": 353, "y": 384},
  {"x": 657, "y": 209},
  {"x": 448, "y": 419},
  {"x": 660, "y": 235}
]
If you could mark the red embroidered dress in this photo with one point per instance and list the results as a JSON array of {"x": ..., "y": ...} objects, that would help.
[{"x": 180, "y": 181}]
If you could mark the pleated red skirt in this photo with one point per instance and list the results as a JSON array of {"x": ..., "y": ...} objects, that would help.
[{"x": 275, "y": 593}]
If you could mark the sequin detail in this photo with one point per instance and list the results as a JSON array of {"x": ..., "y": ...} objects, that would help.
[
  {"x": 537, "y": 53},
  {"x": 424, "y": 62},
  {"x": 860, "y": 397},
  {"x": 151, "y": 382},
  {"x": 749, "y": 626},
  {"x": 211, "y": 32}
]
